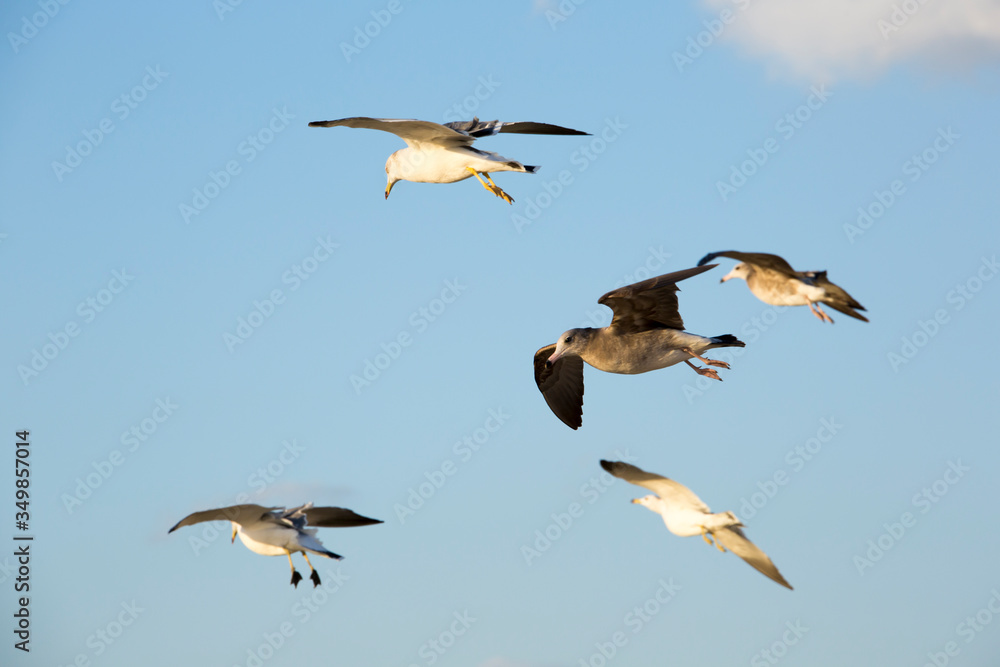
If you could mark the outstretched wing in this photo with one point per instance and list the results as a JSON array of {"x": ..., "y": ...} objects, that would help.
[
  {"x": 241, "y": 514},
  {"x": 670, "y": 491},
  {"x": 449, "y": 135},
  {"x": 413, "y": 132},
  {"x": 759, "y": 259},
  {"x": 649, "y": 303},
  {"x": 561, "y": 385},
  {"x": 733, "y": 539},
  {"x": 487, "y": 128},
  {"x": 336, "y": 517}
]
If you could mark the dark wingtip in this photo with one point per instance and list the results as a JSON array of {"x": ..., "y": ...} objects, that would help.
[
  {"x": 707, "y": 258},
  {"x": 607, "y": 465}
]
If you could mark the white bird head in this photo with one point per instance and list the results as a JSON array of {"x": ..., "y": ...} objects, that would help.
[
  {"x": 392, "y": 172},
  {"x": 403, "y": 165},
  {"x": 741, "y": 270},
  {"x": 651, "y": 502},
  {"x": 572, "y": 342}
]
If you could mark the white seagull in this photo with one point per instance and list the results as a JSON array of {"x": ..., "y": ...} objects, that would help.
[
  {"x": 645, "y": 334},
  {"x": 438, "y": 153},
  {"x": 774, "y": 281},
  {"x": 275, "y": 531},
  {"x": 686, "y": 515}
]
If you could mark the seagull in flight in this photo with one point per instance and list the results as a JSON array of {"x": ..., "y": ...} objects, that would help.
[
  {"x": 438, "y": 153},
  {"x": 686, "y": 515},
  {"x": 275, "y": 531},
  {"x": 645, "y": 334},
  {"x": 774, "y": 281}
]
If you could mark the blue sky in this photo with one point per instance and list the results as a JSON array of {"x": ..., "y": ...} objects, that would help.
[{"x": 861, "y": 457}]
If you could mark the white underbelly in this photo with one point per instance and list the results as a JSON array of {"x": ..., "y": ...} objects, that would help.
[
  {"x": 265, "y": 548},
  {"x": 685, "y": 523},
  {"x": 445, "y": 166},
  {"x": 803, "y": 295},
  {"x": 650, "y": 351}
]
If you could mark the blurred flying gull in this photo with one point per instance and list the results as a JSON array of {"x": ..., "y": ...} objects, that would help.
[
  {"x": 275, "y": 531},
  {"x": 686, "y": 515},
  {"x": 646, "y": 333},
  {"x": 774, "y": 281},
  {"x": 443, "y": 153}
]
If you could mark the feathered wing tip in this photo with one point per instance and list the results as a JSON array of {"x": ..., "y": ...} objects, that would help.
[
  {"x": 733, "y": 539},
  {"x": 561, "y": 385}
]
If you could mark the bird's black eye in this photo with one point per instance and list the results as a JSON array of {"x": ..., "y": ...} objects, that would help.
[{"x": 568, "y": 339}]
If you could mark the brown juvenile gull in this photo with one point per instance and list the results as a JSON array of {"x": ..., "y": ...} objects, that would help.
[
  {"x": 275, "y": 531},
  {"x": 686, "y": 515},
  {"x": 646, "y": 333},
  {"x": 438, "y": 153},
  {"x": 774, "y": 281}
]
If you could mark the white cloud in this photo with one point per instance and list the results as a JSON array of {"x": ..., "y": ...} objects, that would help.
[{"x": 823, "y": 40}]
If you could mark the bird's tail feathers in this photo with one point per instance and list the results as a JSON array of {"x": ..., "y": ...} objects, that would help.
[
  {"x": 727, "y": 340},
  {"x": 530, "y": 169},
  {"x": 848, "y": 309}
]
